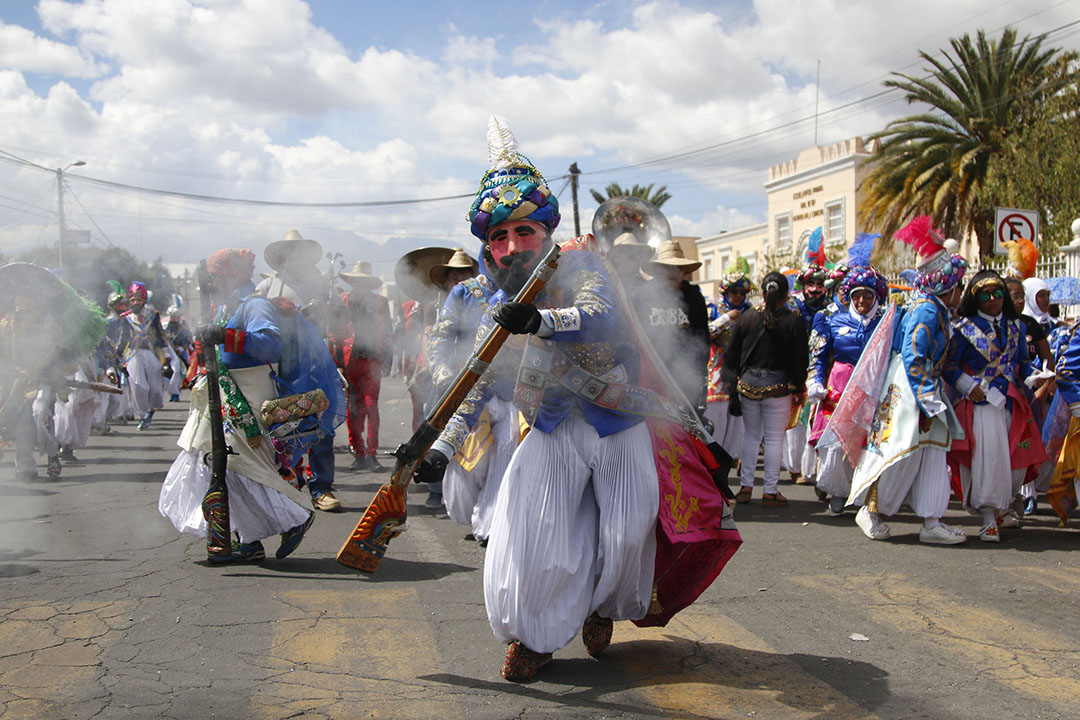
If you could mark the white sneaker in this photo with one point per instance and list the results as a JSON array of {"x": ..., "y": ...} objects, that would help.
[
  {"x": 989, "y": 533},
  {"x": 942, "y": 534},
  {"x": 871, "y": 525}
]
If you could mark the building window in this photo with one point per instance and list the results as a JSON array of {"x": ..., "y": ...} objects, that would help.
[
  {"x": 706, "y": 269},
  {"x": 834, "y": 222},
  {"x": 783, "y": 232},
  {"x": 724, "y": 260}
]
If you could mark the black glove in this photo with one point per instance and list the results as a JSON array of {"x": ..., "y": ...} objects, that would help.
[
  {"x": 706, "y": 422},
  {"x": 518, "y": 318},
  {"x": 432, "y": 468},
  {"x": 210, "y": 335},
  {"x": 167, "y": 371}
]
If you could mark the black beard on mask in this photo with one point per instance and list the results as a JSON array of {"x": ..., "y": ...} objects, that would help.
[{"x": 512, "y": 278}]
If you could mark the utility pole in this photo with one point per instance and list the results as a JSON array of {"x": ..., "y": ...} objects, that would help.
[
  {"x": 60, "y": 209},
  {"x": 574, "y": 172}
]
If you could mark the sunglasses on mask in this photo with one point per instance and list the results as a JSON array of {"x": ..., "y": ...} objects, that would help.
[{"x": 988, "y": 295}]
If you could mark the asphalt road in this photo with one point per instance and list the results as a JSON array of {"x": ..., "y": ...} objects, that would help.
[{"x": 109, "y": 613}]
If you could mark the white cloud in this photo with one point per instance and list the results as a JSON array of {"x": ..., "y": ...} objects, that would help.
[
  {"x": 251, "y": 99},
  {"x": 21, "y": 49}
]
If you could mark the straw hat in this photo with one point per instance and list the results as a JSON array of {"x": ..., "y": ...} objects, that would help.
[
  {"x": 460, "y": 260},
  {"x": 670, "y": 253},
  {"x": 294, "y": 250},
  {"x": 413, "y": 272},
  {"x": 627, "y": 245},
  {"x": 360, "y": 277}
]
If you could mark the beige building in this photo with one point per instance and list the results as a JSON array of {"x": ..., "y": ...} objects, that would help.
[{"x": 819, "y": 188}]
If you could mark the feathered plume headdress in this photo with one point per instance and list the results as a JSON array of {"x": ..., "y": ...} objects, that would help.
[
  {"x": 938, "y": 270},
  {"x": 513, "y": 189},
  {"x": 1023, "y": 256},
  {"x": 815, "y": 248}
]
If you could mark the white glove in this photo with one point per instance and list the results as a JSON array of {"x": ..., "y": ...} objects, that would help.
[
  {"x": 1033, "y": 379},
  {"x": 815, "y": 392}
]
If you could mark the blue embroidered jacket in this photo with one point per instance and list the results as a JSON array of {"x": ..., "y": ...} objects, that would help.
[
  {"x": 1068, "y": 369},
  {"x": 580, "y": 323},
  {"x": 807, "y": 310},
  {"x": 980, "y": 355},
  {"x": 257, "y": 319},
  {"x": 922, "y": 339},
  {"x": 452, "y": 335},
  {"x": 839, "y": 335}
]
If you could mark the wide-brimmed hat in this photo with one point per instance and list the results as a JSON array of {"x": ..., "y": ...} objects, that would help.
[
  {"x": 628, "y": 245},
  {"x": 413, "y": 272},
  {"x": 671, "y": 254},
  {"x": 360, "y": 276},
  {"x": 294, "y": 250},
  {"x": 460, "y": 260}
]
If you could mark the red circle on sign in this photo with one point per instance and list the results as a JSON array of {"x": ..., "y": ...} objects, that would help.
[{"x": 1007, "y": 222}]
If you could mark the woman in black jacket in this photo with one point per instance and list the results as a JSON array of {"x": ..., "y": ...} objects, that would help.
[{"x": 766, "y": 362}]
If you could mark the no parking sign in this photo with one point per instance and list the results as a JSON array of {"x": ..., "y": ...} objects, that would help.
[{"x": 1013, "y": 224}]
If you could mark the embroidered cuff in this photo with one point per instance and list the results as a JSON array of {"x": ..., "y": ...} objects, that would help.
[
  {"x": 234, "y": 341},
  {"x": 561, "y": 320}
]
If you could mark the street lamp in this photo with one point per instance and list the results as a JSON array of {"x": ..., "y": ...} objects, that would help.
[{"x": 60, "y": 208}]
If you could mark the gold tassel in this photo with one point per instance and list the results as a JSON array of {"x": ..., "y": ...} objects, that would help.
[
  {"x": 871, "y": 499},
  {"x": 654, "y": 605}
]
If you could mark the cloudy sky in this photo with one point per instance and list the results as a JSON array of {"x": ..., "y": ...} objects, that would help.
[{"x": 351, "y": 101}]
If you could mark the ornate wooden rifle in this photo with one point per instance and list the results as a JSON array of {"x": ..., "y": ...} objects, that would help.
[
  {"x": 215, "y": 504},
  {"x": 385, "y": 516}
]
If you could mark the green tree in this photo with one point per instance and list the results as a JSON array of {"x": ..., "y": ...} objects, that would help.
[
  {"x": 936, "y": 162},
  {"x": 1039, "y": 169},
  {"x": 89, "y": 268},
  {"x": 645, "y": 192}
]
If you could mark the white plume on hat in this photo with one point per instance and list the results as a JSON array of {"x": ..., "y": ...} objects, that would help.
[{"x": 502, "y": 145}]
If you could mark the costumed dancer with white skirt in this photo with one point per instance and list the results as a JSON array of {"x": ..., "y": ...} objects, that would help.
[
  {"x": 573, "y": 541},
  {"x": 840, "y": 334},
  {"x": 257, "y": 334},
  {"x": 1002, "y": 446},
  {"x": 143, "y": 345},
  {"x": 901, "y": 396}
]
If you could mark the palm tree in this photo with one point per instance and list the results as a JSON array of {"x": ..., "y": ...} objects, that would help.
[
  {"x": 935, "y": 162},
  {"x": 645, "y": 192}
]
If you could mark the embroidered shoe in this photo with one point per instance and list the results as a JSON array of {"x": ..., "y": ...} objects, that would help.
[
  {"x": 1008, "y": 519},
  {"x": 521, "y": 663},
  {"x": 596, "y": 634},
  {"x": 53, "y": 468},
  {"x": 290, "y": 539},
  {"x": 990, "y": 533},
  {"x": 871, "y": 525}
]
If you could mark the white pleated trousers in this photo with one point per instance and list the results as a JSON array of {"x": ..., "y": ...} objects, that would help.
[
  {"x": 573, "y": 532},
  {"x": 920, "y": 480},
  {"x": 144, "y": 374},
  {"x": 990, "y": 483},
  {"x": 794, "y": 448},
  {"x": 470, "y": 495},
  {"x": 834, "y": 472}
]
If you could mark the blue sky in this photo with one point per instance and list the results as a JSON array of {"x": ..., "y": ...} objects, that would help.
[{"x": 337, "y": 101}]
